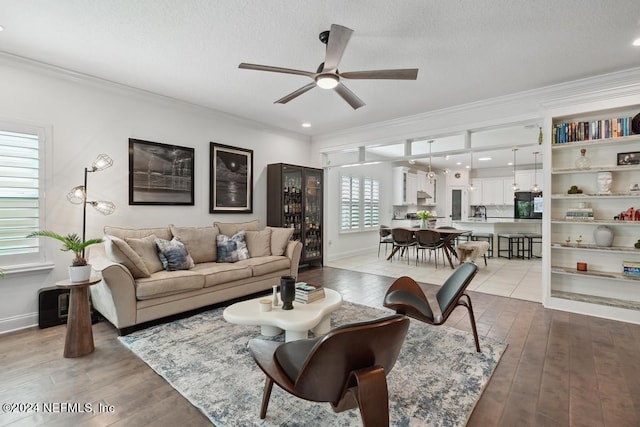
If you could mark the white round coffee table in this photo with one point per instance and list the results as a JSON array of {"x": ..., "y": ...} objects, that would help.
[{"x": 296, "y": 323}]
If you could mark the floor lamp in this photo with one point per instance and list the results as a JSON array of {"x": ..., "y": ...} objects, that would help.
[{"x": 78, "y": 195}]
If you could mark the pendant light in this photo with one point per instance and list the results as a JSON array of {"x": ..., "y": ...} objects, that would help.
[
  {"x": 515, "y": 185},
  {"x": 471, "y": 187},
  {"x": 431, "y": 175},
  {"x": 535, "y": 188}
]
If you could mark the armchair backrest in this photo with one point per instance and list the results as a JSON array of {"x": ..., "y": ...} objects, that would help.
[
  {"x": 384, "y": 231},
  {"x": 402, "y": 235},
  {"x": 428, "y": 237},
  {"x": 327, "y": 369},
  {"x": 454, "y": 287}
]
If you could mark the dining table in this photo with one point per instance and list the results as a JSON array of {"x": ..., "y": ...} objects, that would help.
[{"x": 448, "y": 235}]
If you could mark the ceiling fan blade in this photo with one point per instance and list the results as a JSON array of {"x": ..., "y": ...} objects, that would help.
[
  {"x": 275, "y": 69},
  {"x": 338, "y": 38},
  {"x": 404, "y": 74},
  {"x": 295, "y": 93},
  {"x": 351, "y": 98}
]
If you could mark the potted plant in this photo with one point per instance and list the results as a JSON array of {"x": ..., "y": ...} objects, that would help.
[
  {"x": 79, "y": 270},
  {"x": 425, "y": 217}
]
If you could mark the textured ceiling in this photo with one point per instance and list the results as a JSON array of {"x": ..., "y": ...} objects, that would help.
[{"x": 190, "y": 49}]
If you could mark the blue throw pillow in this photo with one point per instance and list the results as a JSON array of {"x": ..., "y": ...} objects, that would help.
[
  {"x": 173, "y": 255},
  {"x": 232, "y": 249}
]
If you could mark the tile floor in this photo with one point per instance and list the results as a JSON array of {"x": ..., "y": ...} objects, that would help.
[{"x": 519, "y": 279}]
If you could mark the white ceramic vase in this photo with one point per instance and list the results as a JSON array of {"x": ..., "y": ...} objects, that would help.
[
  {"x": 603, "y": 236},
  {"x": 80, "y": 273}
]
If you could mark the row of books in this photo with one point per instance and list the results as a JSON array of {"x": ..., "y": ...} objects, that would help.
[
  {"x": 631, "y": 268},
  {"x": 596, "y": 129},
  {"x": 306, "y": 293}
]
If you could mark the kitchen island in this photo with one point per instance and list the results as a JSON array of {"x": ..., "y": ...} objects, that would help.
[{"x": 502, "y": 225}]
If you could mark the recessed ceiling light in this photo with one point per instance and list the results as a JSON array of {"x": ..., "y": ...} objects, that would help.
[
  {"x": 484, "y": 159},
  {"x": 636, "y": 42},
  {"x": 510, "y": 164},
  {"x": 1, "y": 28},
  {"x": 458, "y": 163},
  {"x": 306, "y": 125}
]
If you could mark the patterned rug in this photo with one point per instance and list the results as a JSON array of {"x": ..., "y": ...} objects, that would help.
[{"x": 436, "y": 381}]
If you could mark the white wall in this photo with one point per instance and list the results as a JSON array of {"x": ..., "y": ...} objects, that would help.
[{"x": 87, "y": 117}]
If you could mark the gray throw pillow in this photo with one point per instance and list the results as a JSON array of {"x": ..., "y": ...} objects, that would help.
[
  {"x": 232, "y": 249},
  {"x": 173, "y": 255}
]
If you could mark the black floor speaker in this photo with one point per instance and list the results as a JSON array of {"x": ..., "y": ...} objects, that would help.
[{"x": 53, "y": 307}]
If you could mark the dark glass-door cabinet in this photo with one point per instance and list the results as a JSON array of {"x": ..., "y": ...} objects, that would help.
[{"x": 294, "y": 200}]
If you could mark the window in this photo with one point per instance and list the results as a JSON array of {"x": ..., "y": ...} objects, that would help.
[
  {"x": 359, "y": 203},
  {"x": 21, "y": 176}
]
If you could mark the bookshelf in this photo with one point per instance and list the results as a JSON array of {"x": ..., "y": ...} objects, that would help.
[{"x": 603, "y": 290}]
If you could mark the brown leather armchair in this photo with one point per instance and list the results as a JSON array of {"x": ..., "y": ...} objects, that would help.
[
  {"x": 347, "y": 367},
  {"x": 405, "y": 297}
]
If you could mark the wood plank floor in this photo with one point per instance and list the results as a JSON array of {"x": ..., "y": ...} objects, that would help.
[{"x": 560, "y": 369}]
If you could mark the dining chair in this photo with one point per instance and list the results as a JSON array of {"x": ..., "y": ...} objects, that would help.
[
  {"x": 385, "y": 238},
  {"x": 406, "y": 297},
  {"x": 403, "y": 240},
  {"x": 346, "y": 367},
  {"x": 429, "y": 240}
]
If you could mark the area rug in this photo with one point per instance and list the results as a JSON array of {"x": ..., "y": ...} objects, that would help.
[{"x": 436, "y": 381}]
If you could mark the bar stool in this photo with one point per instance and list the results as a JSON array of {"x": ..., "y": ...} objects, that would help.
[
  {"x": 484, "y": 236},
  {"x": 516, "y": 239},
  {"x": 531, "y": 239}
]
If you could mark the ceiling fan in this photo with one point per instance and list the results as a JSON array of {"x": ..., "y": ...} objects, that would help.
[{"x": 327, "y": 76}]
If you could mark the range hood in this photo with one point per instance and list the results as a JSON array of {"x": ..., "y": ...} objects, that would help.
[{"x": 424, "y": 195}]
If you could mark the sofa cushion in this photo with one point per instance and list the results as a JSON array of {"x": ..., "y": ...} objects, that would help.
[
  {"x": 280, "y": 237},
  {"x": 119, "y": 251},
  {"x": 267, "y": 264},
  {"x": 218, "y": 273},
  {"x": 259, "y": 242},
  {"x": 137, "y": 233},
  {"x": 232, "y": 249},
  {"x": 231, "y": 228},
  {"x": 173, "y": 255},
  {"x": 200, "y": 242},
  {"x": 167, "y": 283},
  {"x": 147, "y": 250}
]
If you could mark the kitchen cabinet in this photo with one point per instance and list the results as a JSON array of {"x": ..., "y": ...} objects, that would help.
[
  {"x": 405, "y": 185},
  {"x": 600, "y": 288},
  {"x": 294, "y": 200},
  {"x": 475, "y": 195},
  {"x": 492, "y": 191}
]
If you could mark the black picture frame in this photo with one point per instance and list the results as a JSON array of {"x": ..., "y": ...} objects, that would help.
[
  {"x": 231, "y": 179},
  {"x": 632, "y": 158},
  {"x": 160, "y": 174}
]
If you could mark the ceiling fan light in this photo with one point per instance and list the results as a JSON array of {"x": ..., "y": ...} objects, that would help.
[{"x": 327, "y": 81}]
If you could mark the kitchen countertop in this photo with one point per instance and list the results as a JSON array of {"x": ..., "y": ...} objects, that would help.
[{"x": 499, "y": 220}]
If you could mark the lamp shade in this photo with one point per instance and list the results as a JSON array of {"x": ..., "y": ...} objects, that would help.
[
  {"x": 104, "y": 207},
  {"x": 77, "y": 195},
  {"x": 102, "y": 162}
]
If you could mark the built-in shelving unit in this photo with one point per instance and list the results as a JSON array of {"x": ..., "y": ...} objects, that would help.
[{"x": 602, "y": 290}]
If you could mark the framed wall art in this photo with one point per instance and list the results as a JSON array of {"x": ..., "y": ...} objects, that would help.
[
  {"x": 160, "y": 174},
  {"x": 629, "y": 158},
  {"x": 231, "y": 180}
]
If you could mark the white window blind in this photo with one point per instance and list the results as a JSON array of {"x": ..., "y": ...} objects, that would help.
[
  {"x": 359, "y": 203},
  {"x": 20, "y": 177}
]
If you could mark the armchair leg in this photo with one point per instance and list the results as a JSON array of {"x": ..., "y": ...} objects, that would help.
[
  {"x": 266, "y": 395},
  {"x": 472, "y": 319},
  {"x": 373, "y": 396}
]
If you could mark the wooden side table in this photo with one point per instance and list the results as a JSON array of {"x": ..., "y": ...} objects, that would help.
[{"x": 79, "y": 339}]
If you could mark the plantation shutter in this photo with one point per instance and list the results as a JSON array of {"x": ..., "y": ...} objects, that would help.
[
  {"x": 371, "y": 203},
  {"x": 19, "y": 197},
  {"x": 349, "y": 203}
]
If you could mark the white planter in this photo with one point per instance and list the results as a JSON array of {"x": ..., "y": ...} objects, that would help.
[
  {"x": 80, "y": 274},
  {"x": 603, "y": 236}
]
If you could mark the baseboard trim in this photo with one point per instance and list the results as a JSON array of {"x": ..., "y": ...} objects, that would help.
[{"x": 16, "y": 323}]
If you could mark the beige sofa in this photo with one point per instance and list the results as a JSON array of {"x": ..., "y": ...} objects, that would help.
[{"x": 136, "y": 288}]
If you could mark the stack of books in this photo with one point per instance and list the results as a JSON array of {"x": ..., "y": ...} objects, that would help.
[
  {"x": 580, "y": 214},
  {"x": 306, "y": 293}
]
